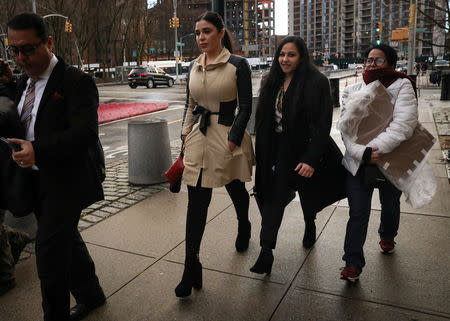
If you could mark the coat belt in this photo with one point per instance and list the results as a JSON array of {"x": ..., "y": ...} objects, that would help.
[{"x": 205, "y": 119}]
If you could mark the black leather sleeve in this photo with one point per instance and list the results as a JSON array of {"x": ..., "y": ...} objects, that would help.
[
  {"x": 187, "y": 94},
  {"x": 244, "y": 87}
]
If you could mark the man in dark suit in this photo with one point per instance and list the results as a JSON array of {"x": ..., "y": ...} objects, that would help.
[{"x": 57, "y": 107}]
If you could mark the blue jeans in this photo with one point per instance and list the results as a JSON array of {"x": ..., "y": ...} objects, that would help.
[{"x": 359, "y": 200}]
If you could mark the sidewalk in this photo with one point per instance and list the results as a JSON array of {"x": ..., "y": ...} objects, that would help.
[{"x": 136, "y": 238}]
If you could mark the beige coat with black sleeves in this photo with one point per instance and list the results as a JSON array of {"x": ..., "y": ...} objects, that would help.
[{"x": 221, "y": 87}]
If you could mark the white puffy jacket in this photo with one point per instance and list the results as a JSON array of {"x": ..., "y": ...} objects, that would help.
[{"x": 405, "y": 118}]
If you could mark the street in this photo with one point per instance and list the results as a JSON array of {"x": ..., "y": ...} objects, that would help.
[{"x": 114, "y": 135}]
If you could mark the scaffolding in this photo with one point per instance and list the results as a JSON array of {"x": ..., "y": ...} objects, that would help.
[{"x": 259, "y": 28}]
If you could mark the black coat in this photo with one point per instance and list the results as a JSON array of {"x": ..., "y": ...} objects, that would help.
[
  {"x": 307, "y": 118},
  {"x": 66, "y": 127}
]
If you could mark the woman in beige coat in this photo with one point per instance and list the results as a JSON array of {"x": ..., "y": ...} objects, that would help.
[{"x": 218, "y": 151}]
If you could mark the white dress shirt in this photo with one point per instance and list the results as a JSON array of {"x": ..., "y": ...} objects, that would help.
[{"x": 40, "y": 85}]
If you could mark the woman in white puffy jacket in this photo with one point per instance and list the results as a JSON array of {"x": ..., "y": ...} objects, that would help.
[{"x": 379, "y": 65}]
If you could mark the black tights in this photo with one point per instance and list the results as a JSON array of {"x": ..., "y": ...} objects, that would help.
[{"x": 197, "y": 211}]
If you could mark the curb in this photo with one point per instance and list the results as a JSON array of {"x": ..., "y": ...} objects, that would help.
[{"x": 115, "y": 111}]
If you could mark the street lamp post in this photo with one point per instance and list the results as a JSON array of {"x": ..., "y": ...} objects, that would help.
[
  {"x": 256, "y": 28},
  {"x": 33, "y": 6},
  {"x": 412, "y": 36},
  {"x": 181, "y": 40},
  {"x": 175, "y": 53},
  {"x": 4, "y": 36},
  {"x": 75, "y": 41}
]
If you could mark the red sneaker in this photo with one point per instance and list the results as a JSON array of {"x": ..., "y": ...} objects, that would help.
[
  {"x": 350, "y": 274},
  {"x": 387, "y": 246}
]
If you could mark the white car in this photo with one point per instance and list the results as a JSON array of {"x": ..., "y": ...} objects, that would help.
[{"x": 441, "y": 63}]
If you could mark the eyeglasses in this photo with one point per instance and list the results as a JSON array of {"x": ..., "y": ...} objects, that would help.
[
  {"x": 378, "y": 61},
  {"x": 26, "y": 50}
]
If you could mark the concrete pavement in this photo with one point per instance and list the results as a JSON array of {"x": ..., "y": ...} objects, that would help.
[{"x": 139, "y": 253}]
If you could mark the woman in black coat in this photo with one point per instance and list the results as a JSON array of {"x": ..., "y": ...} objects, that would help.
[{"x": 294, "y": 150}]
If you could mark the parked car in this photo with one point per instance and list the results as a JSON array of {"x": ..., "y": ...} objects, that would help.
[
  {"x": 441, "y": 64},
  {"x": 402, "y": 66},
  {"x": 330, "y": 67},
  {"x": 149, "y": 76}
]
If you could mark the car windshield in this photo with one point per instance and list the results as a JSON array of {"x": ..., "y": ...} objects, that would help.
[
  {"x": 441, "y": 63},
  {"x": 137, "y": 70}
]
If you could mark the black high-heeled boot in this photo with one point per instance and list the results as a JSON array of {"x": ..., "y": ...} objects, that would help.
[
  {"x": 309, "y": 238},
  {"x": 192, "y": 278},
  {"x": 264, "y": 262},
  {"x": 243, "y": 237}
]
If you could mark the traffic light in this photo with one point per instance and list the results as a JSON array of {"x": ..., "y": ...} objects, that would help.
[
  {"x": 171, "y": 23},
  {"x": 177, "y": 22},
  {"x": 412, "y": 15},
  {"x": 379, "y": 30},
  {"x": 379, "y": 27},
  {"x": 68, "y": 27}
]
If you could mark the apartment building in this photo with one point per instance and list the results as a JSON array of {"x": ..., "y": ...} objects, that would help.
[
  {"x": 251, "y": 22},
  {"x": 317, "y": 23},
  {"x": 259, "y": 28},
  {"x": 345, "y": 28}
]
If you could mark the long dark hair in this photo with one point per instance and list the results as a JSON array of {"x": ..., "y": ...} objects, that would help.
[
  {"x": 215, "y": 19},
  {"x": 275, "y": 78}
]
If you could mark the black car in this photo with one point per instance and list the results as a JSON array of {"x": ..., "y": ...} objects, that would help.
[{"x": 148, "y": 76}]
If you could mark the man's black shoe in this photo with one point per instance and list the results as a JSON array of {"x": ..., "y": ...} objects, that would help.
[
  {"x": 81, "y": 310},
  {"x": 6, "y": 286},
  {"x": 18, "y": 240}
]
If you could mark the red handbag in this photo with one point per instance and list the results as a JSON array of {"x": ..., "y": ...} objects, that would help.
[{"x": 174, "y": 174}]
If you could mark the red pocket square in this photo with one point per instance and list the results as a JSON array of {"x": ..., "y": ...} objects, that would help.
[{"x": 57, "y": 96}]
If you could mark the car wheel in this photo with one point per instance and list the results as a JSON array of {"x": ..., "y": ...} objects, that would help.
[
  {"x": 150, "y": 83},
  {"x": 132, "y": 85},
  {"x": 170, "y": 82}
]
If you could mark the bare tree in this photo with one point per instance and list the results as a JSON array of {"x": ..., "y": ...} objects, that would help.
[
  {"x": 81, "y": 19},
  {"x": 437, "y": 14},
  {"x": 108, "y": 17},
  {"x": 440, "y": 20}
]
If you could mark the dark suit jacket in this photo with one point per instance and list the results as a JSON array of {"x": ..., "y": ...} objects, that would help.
[{"x": 66, "y": 126}]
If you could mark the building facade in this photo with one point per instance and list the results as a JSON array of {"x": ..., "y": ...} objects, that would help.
[
  {"x": 259, "y": 28},
  {"x": 345, "y": 28},
  {"x": 253, "y": 37}
]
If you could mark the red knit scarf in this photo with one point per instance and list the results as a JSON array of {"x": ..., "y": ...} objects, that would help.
[{"x": 386, "y": 76}]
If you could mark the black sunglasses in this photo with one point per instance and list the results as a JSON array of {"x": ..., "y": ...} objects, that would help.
[{"x": 26, "y": 50}]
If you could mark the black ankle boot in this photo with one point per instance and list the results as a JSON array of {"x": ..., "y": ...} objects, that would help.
[
  {"x": 192, "y": 278},
  {"x": 243, "y": 237},
  {"x": 264, "y": 262},
  {"x": 309, "y": 237}
]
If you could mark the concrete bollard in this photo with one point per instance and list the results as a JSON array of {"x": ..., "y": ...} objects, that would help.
[
  {"x": 149, "y": 153},
  {"x": 251, "y": 122}
]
